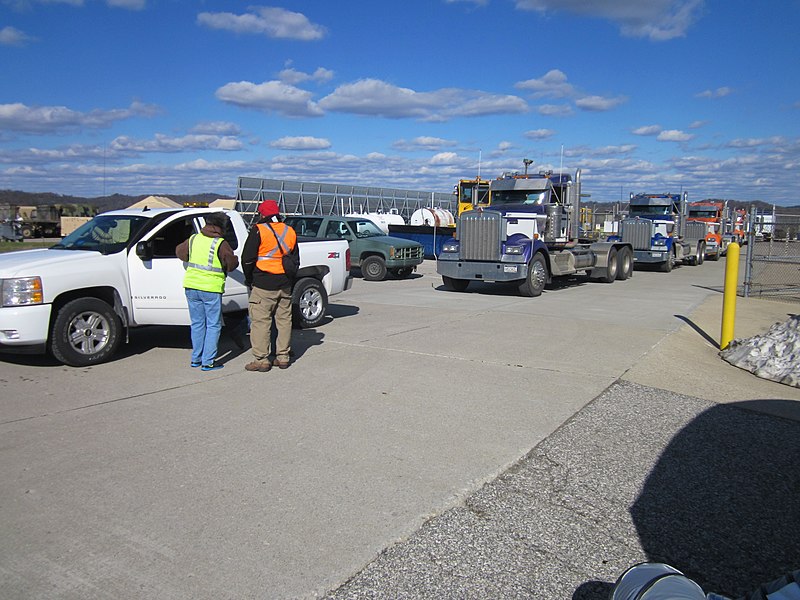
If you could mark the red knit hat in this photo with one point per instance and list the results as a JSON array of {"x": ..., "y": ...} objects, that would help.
[{"x": 268, "y": 208}]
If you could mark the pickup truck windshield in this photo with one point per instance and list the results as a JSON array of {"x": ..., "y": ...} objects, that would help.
[{"x": 106, "y": 234}]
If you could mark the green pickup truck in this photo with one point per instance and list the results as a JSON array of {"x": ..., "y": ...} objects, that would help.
[{"x": 374, "y": 252}]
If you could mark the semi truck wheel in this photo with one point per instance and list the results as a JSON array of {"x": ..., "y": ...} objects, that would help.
[
  {"x": 373, "y": 268},
  {"x": 666, "y": 266},
  {"x": 455, "y": 285},
  {"x": 624, "y": 264},
  {"x": 309, "y": 302},
  {"x": 537, "y": 277},
  {"x": 26, "y": 231},
  {"x": 86, "y": 332},
  {"x": 701, "y": 253},
  {"x": 612, "y": 267}
]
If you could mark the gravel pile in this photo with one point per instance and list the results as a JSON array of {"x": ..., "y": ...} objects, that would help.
[{"x": 774, "y": 355}]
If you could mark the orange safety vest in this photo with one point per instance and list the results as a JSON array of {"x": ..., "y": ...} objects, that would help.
[{"x": 269, "y": 252}]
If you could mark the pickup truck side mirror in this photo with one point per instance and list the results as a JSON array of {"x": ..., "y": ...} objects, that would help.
[{"x": 144, "y": 250}]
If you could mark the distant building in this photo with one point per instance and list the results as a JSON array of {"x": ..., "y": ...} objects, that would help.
[{"x": 155, "y": 202}]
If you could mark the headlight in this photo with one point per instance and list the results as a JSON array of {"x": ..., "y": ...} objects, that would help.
[
  {"x": 21, "y": 291},
  {"x": 660, "y": 242},
  {"x": 450, "y": 246},
  {"x": 513, "y": 249}
]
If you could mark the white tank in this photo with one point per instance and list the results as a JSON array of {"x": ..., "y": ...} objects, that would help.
[
  {"x": 434, "y": 217},
  {"x": 382, "y": 220}
]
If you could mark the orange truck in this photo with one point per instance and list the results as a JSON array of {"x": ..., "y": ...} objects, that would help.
[{"x": 711, "y": 213}]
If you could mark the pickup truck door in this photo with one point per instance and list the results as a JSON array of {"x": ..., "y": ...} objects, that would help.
[{"x": 157, "y": 294}]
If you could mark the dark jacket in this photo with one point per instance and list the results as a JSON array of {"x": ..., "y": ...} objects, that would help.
[
  {"x": 225, "y": 252},
  {"x": 256, "y": 277}
]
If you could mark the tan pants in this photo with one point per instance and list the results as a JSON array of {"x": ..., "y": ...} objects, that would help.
[{"x": 264, "y": 304}]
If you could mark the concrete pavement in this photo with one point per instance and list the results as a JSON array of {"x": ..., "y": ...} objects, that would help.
[{"x": 393, "y": 459}]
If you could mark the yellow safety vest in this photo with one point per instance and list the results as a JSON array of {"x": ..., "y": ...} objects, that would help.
[{"x": 204, "y": 270}]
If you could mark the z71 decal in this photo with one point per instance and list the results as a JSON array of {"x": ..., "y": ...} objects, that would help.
[{"x": 333, "y": 255}]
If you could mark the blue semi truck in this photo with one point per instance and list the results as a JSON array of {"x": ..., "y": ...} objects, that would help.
[
  {"x": 658, "y": 230},
  {"x": 529, "y": 234}
]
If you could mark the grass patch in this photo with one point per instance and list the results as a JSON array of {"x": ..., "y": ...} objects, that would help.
[{"x": 14, "y": 246}]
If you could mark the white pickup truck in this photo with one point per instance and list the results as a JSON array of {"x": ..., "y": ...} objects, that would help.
[{"x": 77, "y": 299}]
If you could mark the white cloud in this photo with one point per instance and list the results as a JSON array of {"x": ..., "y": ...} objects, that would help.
[
  {"x": 265, "y": 20},
  {"x": 270, "y": 96},
  {"x": 554, "y": 110},
  {"x": 164, "y": 143},
  {"x": 129, "y": 4},
  {"x": 59, "y": 119},
  {"x": 378, "y": 98},
  {"x": 217, "y": 128},
  {"x": 444, "y": 158},
  {"x": 422, "y": 143},
  {"x": 647, "y": 130},
  {"x": 756, "y": 142},
  {"x": 552, "y": 84},
  {"x": 304, "y": 142},
  {"x": 657, "y": 20},
  {"x": 539, "y": 134},
  {"x": 674, "y": 135},
  {"x": 10, "y": 36},
  {"x": 599, "y": 103},
  {"x": 720, "y": 92},
  {"x": 697, "y": 124},
  {"x": 293, "y": 77}
]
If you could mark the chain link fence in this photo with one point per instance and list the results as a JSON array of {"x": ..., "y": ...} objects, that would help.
[{"x": 772, "y": 268}]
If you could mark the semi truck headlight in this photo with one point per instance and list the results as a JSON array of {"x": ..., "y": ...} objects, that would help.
[
  {"x": 450, "y": 246},
  {"x": 513, "y": 249},
  {"x": 21, "y": 291},
  {"x": 660, "y": 242}
]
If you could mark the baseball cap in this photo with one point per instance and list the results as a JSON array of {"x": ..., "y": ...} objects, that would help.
[{"x": 268, "y": 208}]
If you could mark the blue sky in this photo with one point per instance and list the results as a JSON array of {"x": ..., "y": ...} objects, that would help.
[{"x": 181, "y": 97}]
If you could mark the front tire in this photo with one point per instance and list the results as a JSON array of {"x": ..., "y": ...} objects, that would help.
[
  {"x": 309, "y": 303},
  {"x": 402, "y": 272},
  {"x": 86, "y": 332},
  {"x": 666, "y": 267},
  {"x": 373, "y": 268},
  {"x": 537, "y": 277}
]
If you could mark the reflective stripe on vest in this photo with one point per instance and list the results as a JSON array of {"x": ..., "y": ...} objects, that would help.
[
  {"x": 204, "y": 269},
  {"x": 212, "y": 254}
]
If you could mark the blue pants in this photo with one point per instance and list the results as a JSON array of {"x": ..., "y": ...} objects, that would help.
[{"x": 205, "y": 311}]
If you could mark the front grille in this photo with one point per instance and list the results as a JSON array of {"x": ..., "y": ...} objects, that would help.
[
  {"x": 696, "y": 230},
  {"x": 409, "y": 253},
  {"x": 638, "y": 233},
  {"x": 479, "y": 235}
]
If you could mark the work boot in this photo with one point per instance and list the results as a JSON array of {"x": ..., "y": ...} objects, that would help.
[
  {"x": 282, "y": 362},
  {"x": 258, "y": 365}
]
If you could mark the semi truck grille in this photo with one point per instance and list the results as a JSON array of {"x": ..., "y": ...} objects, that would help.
[
  {"x": 479, "y": 235},
  {"x": 696, "y": 230},
  {"x": 638, "y": 233}
]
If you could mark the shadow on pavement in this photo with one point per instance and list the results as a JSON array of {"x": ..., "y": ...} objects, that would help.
[{"x": 723, "y": 501}]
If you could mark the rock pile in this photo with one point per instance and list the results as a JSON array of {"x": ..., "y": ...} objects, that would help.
[{"x": 774, "y": 355}]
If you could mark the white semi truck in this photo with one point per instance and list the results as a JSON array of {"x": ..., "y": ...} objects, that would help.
[{"x": 78, "y": 298}]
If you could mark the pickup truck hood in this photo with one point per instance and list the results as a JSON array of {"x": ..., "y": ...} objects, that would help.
[
  {"x": 26, "y": 263},
  {"x": 397, "y": 242}
]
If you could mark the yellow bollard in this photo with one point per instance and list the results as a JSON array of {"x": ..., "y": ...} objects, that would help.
[{"x": 729, "y": 295}]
